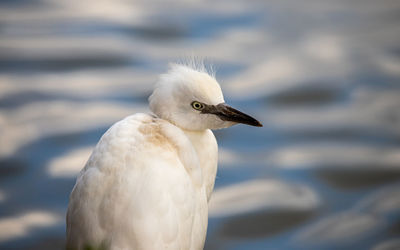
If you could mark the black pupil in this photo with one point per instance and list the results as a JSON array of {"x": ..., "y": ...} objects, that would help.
[{"x": 197, "y": 105}]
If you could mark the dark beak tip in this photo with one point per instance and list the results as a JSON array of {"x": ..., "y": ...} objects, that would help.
[{"x": 257, "y": 124}]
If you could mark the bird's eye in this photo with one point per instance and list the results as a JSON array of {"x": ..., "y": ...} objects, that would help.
[{"x": 197, "y": 105}]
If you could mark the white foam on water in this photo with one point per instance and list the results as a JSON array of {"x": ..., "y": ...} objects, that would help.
[
  {"x": 21, "y": 225},
  {"x": 69, "y": 164},
  {"x": 256, "y": 195}
]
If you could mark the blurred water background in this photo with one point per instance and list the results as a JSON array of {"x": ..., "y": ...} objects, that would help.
[{"x": 322, "y": 76}]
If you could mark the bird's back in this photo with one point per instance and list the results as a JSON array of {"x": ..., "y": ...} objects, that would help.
[{"x": 139, "y": 190}]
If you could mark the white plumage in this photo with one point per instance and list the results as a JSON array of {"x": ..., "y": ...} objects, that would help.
[{"x": 148, "y": 181}]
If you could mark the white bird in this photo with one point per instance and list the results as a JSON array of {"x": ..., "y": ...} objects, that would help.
[{"x": 149, "y": 179}]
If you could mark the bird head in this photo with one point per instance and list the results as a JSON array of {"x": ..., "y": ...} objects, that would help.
[{"x": 192, "y": 99}]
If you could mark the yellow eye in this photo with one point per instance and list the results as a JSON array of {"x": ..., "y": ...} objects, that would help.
[{"x": 197, "y": 105}]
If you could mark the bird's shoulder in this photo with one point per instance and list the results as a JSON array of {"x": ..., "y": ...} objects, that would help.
[
  {"x": 141, "y": 130},
  {"x": 144, "y": 136}
]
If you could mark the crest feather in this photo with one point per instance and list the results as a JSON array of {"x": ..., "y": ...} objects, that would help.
[{"x": 196, "y": 64}]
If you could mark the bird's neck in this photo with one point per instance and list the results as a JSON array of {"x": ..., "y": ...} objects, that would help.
[{"x": 206, "y": 147}]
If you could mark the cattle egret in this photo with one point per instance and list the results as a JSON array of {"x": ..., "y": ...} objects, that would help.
[{"x": 149, "y": 179}]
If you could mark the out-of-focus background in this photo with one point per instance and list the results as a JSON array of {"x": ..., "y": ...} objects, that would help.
[{"x": 322, "y": 76}]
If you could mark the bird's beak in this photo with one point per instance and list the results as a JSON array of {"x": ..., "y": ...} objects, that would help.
[{"x": 227, "y": 113}]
